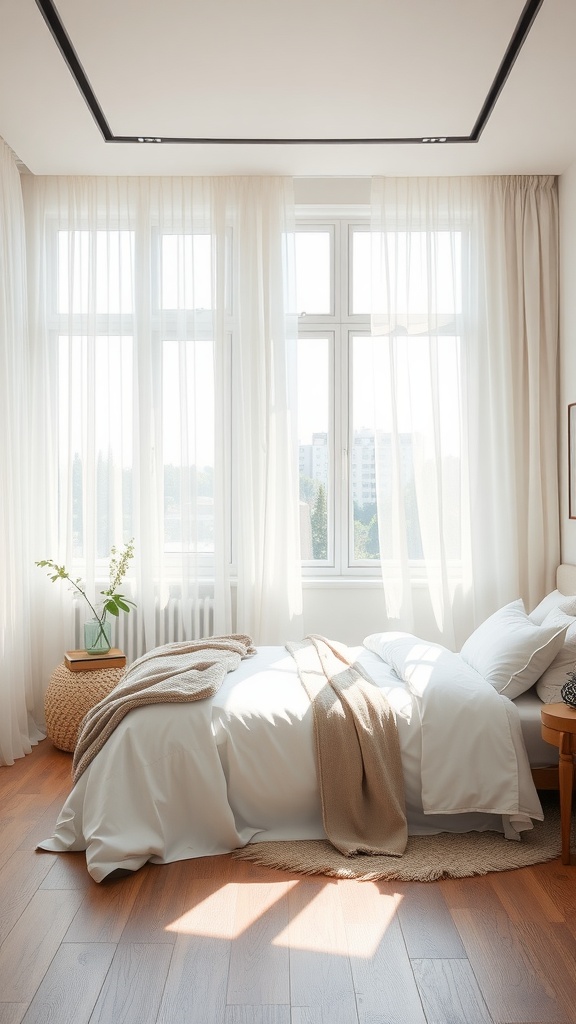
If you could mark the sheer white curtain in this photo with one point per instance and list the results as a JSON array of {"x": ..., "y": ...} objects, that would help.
[
  {"x": 265, "y": 499},
  {"x": 21, "y": 711},
  {"x": 465, "y": 332},
  {"x": 163, "y": 341}
]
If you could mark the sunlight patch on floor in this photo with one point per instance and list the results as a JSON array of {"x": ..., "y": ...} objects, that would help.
[
  {"x": 304, "y": 913},
  {"x": 212, "y": 916},
  {"x": 367, "y": 914}
]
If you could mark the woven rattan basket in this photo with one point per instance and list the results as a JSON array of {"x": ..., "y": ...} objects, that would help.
[{"x": 69, "y": 696}]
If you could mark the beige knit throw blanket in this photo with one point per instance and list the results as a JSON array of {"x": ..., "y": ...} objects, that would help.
[
  {"x": 357, "y": 751},
  {"x": 175, "y": 672}
]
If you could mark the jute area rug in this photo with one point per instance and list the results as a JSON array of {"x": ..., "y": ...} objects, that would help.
[{"x": 426, "y": 859}]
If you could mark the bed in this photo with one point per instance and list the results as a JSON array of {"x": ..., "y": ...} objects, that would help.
[
  {"x": 174, "y": 782},
  {"x": 547, "y": 690}
]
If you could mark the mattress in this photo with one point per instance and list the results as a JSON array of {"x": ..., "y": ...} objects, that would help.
[{"x": 540, "y": 753}]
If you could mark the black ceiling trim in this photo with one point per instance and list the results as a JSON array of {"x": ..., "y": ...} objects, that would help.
[
  {"x": 519, "y": 36},
  {"x": 62, "y": 38},
  {"x": 67, "y": 50}
]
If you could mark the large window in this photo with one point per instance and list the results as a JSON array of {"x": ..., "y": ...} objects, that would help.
[
  {"x": 339, "y": 530},
  {"x": 362, "y": 444},
  {"x": 98, "y": 312},
  {"x": 365, "y": 448}
]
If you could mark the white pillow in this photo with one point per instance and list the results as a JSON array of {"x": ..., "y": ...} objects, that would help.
[
  {"x": 554, "y": 600},
  {"x": 402, "y": 650},
  {"x": 378, "y": 643},
  {"x": 511, "y": 651},
  {"x": 552, "y": 680}
]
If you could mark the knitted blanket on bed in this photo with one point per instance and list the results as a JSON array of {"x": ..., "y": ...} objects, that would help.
[
  {"x": 175, "y": 672},
  {"x": 357, "y": 751}
]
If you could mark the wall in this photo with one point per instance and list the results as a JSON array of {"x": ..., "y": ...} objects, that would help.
[
  {"x": 344, "y": 610},
  {"x": 350, "y": 609},
  {"x": 567, "y": 381},
  {"x": 332, "y": 191}
]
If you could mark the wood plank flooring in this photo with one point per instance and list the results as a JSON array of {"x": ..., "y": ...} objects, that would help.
[{"x": 219, "y": 941}]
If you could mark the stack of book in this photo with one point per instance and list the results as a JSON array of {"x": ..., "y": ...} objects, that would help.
[{"x": 81, "y": 661}]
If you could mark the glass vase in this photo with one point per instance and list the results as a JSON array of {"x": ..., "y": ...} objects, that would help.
[{"x": 97, "y": 636}]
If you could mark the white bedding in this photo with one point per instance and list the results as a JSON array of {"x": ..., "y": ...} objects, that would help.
[{"x": 177, "y": 781}]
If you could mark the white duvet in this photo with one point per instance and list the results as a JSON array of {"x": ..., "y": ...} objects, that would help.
[{"x": 176, "y": 781}]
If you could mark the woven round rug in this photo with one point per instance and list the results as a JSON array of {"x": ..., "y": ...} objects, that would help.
[{"x": 426, "y": 858}]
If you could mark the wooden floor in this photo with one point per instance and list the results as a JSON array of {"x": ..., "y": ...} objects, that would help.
[{"x": 216, "y": 941}]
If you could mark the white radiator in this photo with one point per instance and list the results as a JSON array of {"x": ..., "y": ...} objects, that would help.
[{"x": 178, "y": 619}]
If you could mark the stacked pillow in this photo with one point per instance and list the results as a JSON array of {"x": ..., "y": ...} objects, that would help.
[
  {"x": 512, "y": 651},
  {"x": 550, "y": 603},
  {"x": 557, "y": 607}
]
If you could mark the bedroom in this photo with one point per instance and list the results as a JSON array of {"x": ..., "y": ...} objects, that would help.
[{"x": 541, "y": 146}]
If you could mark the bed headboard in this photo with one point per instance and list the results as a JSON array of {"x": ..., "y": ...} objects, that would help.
[{"x": 566, "y": 578}]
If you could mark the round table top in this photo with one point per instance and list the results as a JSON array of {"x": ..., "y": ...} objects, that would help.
[{"x": 559, "y": 716}]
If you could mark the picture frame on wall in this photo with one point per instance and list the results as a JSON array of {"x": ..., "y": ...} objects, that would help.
[{"x": 572, "y": 460}]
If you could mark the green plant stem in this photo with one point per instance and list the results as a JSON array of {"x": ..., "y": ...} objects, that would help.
[
  {"x": 114, "y": 603},
  {"x": 101, "y": 632},
  {"x": 83, "y": 592},
  {"x": 99, "y": 620}
]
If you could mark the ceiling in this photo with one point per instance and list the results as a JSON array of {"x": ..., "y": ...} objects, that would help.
[{"x": 304, "y": 70}]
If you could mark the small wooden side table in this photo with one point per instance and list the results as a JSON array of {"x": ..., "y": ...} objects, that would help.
[{"x": 559, "y": 728}]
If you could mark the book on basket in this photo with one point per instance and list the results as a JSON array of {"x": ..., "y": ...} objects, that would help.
[{"x": 81, "y": 661}]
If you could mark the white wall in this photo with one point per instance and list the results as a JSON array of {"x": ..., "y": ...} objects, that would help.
[
  {"x": 350, "y": 609},
  {"x": 332, "y": 191},
  {"x": 567, "y": 382},
  {"x": 344, "y": 610}
]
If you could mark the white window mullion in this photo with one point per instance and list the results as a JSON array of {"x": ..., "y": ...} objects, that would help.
[{"x": 341, "y": 434}]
